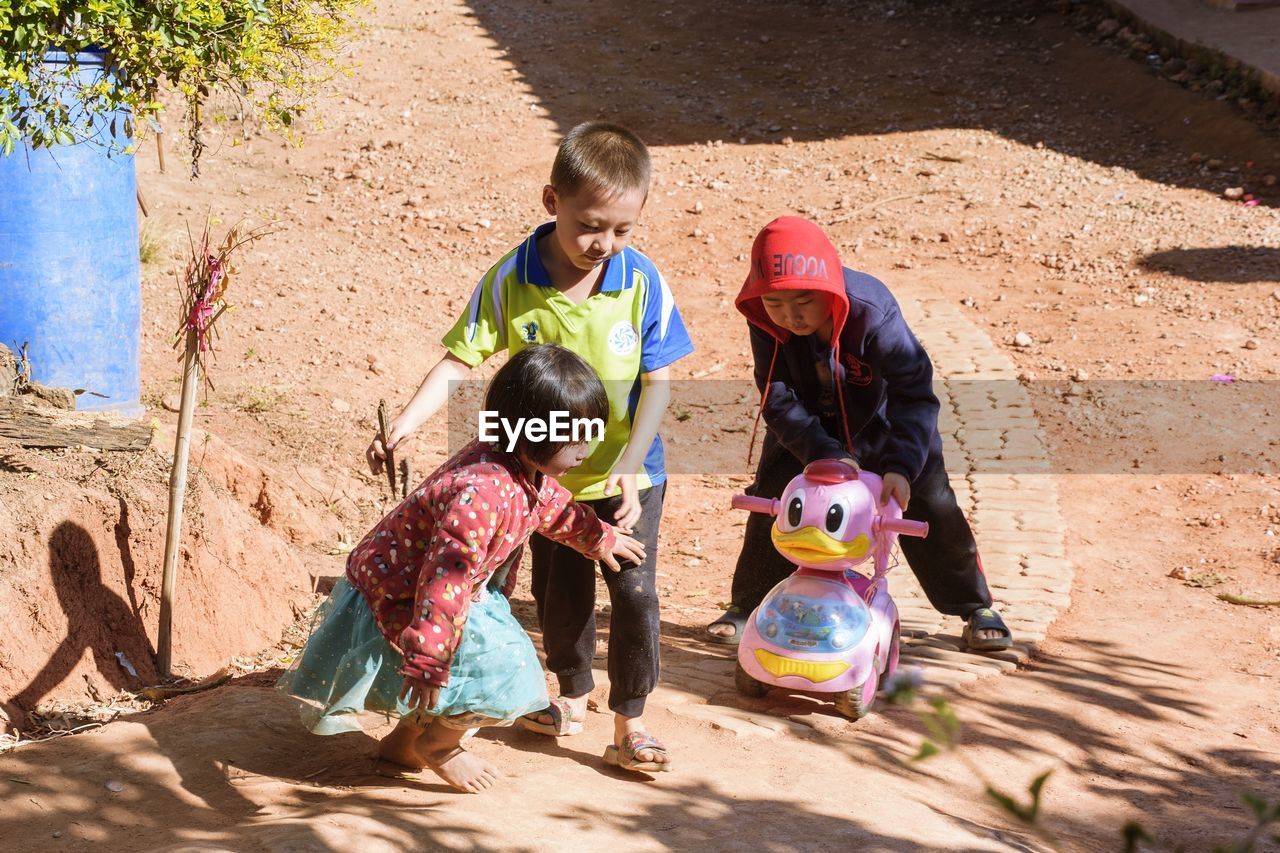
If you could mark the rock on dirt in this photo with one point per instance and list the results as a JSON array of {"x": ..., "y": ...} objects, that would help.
[{"x": 59, "y": 398}]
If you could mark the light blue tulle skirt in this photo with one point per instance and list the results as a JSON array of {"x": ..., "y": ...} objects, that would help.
[{"x": 348, "y": 670}]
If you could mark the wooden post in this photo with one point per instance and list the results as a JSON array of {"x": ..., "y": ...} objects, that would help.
[{"x": 177, "y": 492}]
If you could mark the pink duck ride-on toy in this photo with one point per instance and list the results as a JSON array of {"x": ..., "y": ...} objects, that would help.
[{"x": 828, "y": 628}]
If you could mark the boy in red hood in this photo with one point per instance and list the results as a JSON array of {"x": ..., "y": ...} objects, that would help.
[{"x": 843, "y": 377}]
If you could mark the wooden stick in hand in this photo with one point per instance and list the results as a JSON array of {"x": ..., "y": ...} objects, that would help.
[{"x": 388, "y": 459}]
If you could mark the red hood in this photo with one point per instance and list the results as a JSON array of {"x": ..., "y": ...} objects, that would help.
[{"x": 791, "y": 253}]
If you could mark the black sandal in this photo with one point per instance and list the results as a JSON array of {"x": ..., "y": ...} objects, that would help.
[
  {"x": 732, "y": 616},
  {"x": 986, "y": 619}
]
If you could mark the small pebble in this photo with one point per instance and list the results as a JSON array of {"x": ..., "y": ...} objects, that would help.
[
  {"x": 1233, "y": 193},
  {"x": 115, "y": 787},
  {"x": 1251, "y": 344},
  {"x": 1023, "y": 340},
  {"x": 340, "y": 405}
]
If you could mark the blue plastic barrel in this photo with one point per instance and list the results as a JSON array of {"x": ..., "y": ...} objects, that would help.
[{"x": 70, "y": 282}]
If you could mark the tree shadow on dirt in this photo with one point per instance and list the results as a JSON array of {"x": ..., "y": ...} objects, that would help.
[
  {"x": 1170, "y": 794},
  {"x": 302, "y": 792},
  {"x": 761, "y": 71},
  {"x": 1229, "y": 264},
  {"x": 230, "y": 767},
  {"x": 99, "y": 621}
]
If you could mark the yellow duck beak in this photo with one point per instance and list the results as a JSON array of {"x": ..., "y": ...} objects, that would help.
[{"x": 814, "y": 546}]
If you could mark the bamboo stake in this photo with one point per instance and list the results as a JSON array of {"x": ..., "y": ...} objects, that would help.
[{"x": 177, "y": 493}]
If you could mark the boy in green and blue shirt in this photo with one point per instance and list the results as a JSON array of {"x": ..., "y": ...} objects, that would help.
[{"x": 576, "y": 282}]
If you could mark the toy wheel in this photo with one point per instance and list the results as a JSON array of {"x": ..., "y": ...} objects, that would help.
[
  {"x": 747, "y": 685},
  {"x": 856, "y": 703},
  {"x": 894, "y": 649}
]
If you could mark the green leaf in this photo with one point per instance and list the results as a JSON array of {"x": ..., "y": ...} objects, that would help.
[
  {"x": 942, "y": 723},
  {"x": 1010, "y": 805},
  {"x": 1036, "y": 785},
  {"x": 1255, "y": 804},
  {"x": 928, "y": 749},
  {"x": 1134, "y": 834}
]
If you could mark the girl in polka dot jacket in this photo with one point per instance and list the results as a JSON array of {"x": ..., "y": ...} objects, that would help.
[{"x": 420, "y": 627}]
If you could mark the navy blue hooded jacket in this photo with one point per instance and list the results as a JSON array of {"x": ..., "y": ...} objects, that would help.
[{"x": 882, "y": 409}]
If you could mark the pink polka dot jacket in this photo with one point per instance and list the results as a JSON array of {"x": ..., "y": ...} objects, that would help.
[{"x": 423, "y": 564}]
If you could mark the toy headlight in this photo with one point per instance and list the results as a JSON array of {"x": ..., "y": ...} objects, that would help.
[
  {"x": 841, "y": 638},
  {"x": 771, "y": 630}
]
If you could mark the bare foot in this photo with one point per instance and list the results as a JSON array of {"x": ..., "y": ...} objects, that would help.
[
  {"x": 463, "y": 770},
  {"x": 440, "y": 747},
  {"x": 722, "y": 629},
  {"x": 400, "y": 748}
]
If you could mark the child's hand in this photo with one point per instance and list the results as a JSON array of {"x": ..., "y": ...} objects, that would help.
[
  {"x": 628, "y": 512},
  {"x": 377, "y": 454},
  {"x": 626, "y": 548},
  {"x": 897, "y": 487},
  {"x": 418, "y": 694}
]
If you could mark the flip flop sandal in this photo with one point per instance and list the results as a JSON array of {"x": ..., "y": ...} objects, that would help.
[
  {"x": 984, "y": 618},
  {"x": 633, "y": 744},
  {"x": 562, "y": 724},
  {"x": 732, "y": 616}
]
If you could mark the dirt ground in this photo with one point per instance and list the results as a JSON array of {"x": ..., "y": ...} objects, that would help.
[{"x": 996, "y": 157}]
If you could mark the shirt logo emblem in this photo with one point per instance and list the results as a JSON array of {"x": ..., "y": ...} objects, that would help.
[
  {"x": 855, "y": 372},
  {"x": 530, "y": 332},
  {"x": 623, "y": 338}
]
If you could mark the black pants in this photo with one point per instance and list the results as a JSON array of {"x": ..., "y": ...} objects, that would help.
[
  {"x": 946, "y": 562},
  {"x": 564, "y": 588}
]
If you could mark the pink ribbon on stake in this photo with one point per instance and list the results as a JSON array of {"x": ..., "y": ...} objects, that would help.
[{"x": 205, "y": 309}]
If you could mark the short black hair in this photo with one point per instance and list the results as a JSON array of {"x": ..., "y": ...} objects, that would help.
[
  {"x": 601, "y": 156},
  {"x": 540, "y": 380}
]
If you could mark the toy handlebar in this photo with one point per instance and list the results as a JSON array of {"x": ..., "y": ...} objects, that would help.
[
  {"x": 904, "y": 527},
  {"x": 768, "y": 506}
]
